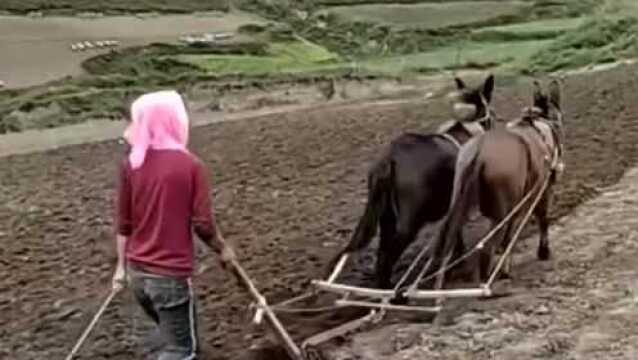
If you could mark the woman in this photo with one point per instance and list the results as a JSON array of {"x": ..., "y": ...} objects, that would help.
[{"x": 163, "y": 195}]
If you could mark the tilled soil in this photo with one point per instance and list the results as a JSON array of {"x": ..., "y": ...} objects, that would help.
[
  {"x": 289, "y": 189},
  {"x": 581, "y": 305}
]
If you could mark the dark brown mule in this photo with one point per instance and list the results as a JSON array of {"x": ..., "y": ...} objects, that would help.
[
  {"x": 495, "y": 171},
  {"x": 411, "y": 184}
]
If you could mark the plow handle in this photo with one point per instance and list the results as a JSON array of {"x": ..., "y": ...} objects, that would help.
[
  {"x": 293, "y": 350},
  {"x": 92, "y": 324}
]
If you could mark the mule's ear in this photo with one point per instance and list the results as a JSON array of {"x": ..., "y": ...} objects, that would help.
[
  {"x": 488, "y": 88},
  {"x": 554, "y": 93},
  {"x": 459, "y": 83}
]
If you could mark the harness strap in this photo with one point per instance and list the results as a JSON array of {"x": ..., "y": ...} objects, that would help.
[
  {"x": 474, "y": 128},
  {"x": 555, "y": 151},
  {"x": 451, "y": 139}
]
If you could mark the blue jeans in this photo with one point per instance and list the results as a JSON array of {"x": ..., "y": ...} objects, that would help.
[{"x": 170, "y": 303}]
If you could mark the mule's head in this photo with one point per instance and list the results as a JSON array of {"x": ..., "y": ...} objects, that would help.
[
  {"x": 548, "y": 104},
  {"x": 472, "y": 103}
]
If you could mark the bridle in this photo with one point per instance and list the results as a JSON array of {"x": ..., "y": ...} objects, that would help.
[
  {"x": 534, "y": 113},
  {"x": 485, "y": 122}
]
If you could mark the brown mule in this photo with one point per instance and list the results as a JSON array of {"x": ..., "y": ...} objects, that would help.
[{"x": 498, "y": 169}]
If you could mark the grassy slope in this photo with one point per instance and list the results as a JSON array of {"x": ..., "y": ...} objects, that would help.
[
  {"x": 429, "y": 16},
  {"x": 281, "y": 57},
  {"x": 536, "y": 26},
  {"x": 471, "y": 54},
  {"x": 597, "y": 41},
  {"x": 117, "y": 6}
]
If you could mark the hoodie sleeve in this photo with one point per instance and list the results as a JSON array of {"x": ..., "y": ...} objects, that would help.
[
  {"x": 203, "y": 217},
  {"x": 124, "y": 220}
]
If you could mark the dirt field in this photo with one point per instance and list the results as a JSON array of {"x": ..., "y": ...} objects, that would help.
[
  {"x": 580, "y": 306},
  {"x": 37, "y": 50},
  {"x": 289, "y": 187}
]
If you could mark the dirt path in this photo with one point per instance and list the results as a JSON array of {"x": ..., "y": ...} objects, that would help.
[
  {"x": 582, "y": 305},
  {"x": 246, "y": 105},
  {"x": 102, "y": 130}
]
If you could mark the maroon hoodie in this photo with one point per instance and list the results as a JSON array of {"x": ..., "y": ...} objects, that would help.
[{"x": 158, "y": 207}]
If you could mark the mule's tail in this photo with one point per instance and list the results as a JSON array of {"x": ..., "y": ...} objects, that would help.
[
  {"x": 380, "y": 181},
  {"x": 466, "y": 181}
]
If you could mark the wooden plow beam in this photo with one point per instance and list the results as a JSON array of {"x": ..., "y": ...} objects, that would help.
[{"x": 413, "y": 294}]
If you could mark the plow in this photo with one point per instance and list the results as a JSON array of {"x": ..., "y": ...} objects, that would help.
[{"x": 379, "y": 300}]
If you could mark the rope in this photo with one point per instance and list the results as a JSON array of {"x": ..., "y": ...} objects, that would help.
[
  {"x": 425, "y": 268},
  {"x": 92, "y": 324},
  {"x": 404, "y": 278}
]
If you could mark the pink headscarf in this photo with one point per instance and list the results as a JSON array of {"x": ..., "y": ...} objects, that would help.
[{"x": 159, "y": 121}]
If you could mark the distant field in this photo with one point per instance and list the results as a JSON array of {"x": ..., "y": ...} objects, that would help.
[
  {"x": 553, "y": 25},
  {"x": 430, "y": 15},
  {"x": 510, "y": 54},
  {"x": 623, "y": 7},
  {"x": 364, "y": 2},
  {"x": 284, "y": 57},
  {"x": 34, "y": 51},
  {"x": 118, "y": 6}
]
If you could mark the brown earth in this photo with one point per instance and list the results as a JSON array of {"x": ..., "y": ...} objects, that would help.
[
  {"x": 289, "y": 187},
  {"x": 582, "y": 305}
]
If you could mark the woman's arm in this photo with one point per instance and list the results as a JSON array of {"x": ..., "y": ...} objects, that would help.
[
  {"x": 204, "y": 222},
  {"x": 124, "y": 226}
]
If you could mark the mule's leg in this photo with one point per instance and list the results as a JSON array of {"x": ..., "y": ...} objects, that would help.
[
  {"x": 392, "y": 252},
  {"x": 543, "y": 224},
  {"x": 486, "y": 257},
  {"x": 386, "y": 250},
  {"x": 501, "y": 206},
  {"x": 438, "y": 285},
  {"x": 506, "y": 273},
  {"x": 406, "y": 233},
  {"x": 446, "y": 254}
]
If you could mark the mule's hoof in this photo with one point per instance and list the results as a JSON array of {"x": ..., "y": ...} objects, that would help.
[{"x": 543, "y": 253}]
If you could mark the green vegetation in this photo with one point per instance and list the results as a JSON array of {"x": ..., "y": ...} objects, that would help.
[
  {"x": 378, "y": 34},
  {"x": 534, "y": 30},
  {"x": 282, "y": 57},
  {"x": 429, "y": 15},
  {"x": 157, "y": 61},
  {"x": 315, "y": 40},
  {"x": 624, "y": 7},
  {"x": 115, "y": 77},
  {"x": 111, "y": 6},
  {"x": 596, "y": 41},
  {"x": 475, "y": 55}
]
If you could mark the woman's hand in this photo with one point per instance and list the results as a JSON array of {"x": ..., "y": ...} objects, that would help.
[
  {"x": 119, "y": 279},
  {"x": 227, "y": 256}
]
